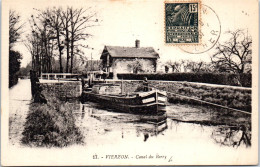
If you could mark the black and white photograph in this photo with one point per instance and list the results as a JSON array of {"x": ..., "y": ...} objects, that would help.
[{"x": 127, "y": 82}]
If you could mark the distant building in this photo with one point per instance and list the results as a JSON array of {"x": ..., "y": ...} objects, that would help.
[{"x": 136, "y": 59}]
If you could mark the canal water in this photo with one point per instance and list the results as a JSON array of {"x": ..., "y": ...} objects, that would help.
[{"x": 106, "y": 127}]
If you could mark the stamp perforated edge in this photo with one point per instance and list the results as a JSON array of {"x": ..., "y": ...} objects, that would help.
[{"x": 199, "y": 26}]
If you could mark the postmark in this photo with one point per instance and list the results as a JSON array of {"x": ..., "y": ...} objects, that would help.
[
  {"x": 209, "y": 32},
  {"x": 182, "y": 22}
]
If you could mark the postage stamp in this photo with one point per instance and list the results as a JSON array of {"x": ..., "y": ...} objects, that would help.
[{"x": 182, "y": 22}]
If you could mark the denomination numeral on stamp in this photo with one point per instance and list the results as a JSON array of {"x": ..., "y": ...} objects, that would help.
[{"x": 193, "y": 8}]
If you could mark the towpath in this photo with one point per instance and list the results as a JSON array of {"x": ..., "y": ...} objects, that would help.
[{"x": 20, "y": 99}]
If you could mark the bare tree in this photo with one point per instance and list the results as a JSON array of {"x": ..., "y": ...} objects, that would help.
[
  {"x": 40, "y": 40},
  {"x": 175, "y": 65},
  {"x": 235, "y": 54},
  {"x": 190, "y": 66},
  {"x": 15, "y": 27},
  {"x": 65, "y": 18},
  {"x": 51, "y": 30},
  {"x": 80, "y": 20},
  {"x": 199, "y": 66},
  {"x": 54, "y": 21},
  {"x": 185, "y": 65},
  {"x": 15, "y": 31}
]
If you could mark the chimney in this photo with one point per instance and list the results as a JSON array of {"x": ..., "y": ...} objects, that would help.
[{"x": 137, "y": 43}]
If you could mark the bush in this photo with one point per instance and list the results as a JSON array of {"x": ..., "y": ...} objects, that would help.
[
  {"x": 14, "y": 64},
  {"x": 13, "y": 80},
  {"x": 213, "y": 78}
]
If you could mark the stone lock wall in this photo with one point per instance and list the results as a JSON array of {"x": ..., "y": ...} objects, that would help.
[{"x": 63, "y": 89}]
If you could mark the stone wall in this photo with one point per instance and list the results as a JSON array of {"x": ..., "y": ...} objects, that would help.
[{"x": 67, "y": 89}]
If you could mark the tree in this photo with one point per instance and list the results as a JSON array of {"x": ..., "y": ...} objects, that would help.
[
  {"x": 54, "y": 29},
  {"x": 190, "y": 66},
  {"x": 166, "y": 68},
  {"x": 40, "y": 43},
  {"x": 65, "y": 19},
  {"x": 15, "y": 31},
  {"x": 175, "y": 65},
  {"x": 14, "y": 66},
  {"x": 136, "y": 66},
  {"x": 200, "y": 66},
  {"x": 80, "y": 20},
  {"x": 25, "y": 71},
  {"x": 234, "y": 55},
  {"x": 15, "y": 28},
  {"x": 53, "y": 19},
  {"x": 140, "y": 65}
]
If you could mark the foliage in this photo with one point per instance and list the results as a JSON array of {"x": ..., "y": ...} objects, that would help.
[
  {"x": 175, "y": 65},
  {"x": 139, "y": 66},
  {"x": 14, "y": 66},
  {"x": 51, "y": 125},
  {"x": 234, "y": 55},
  {"x": 189, "y": 66},
  {"x": 15, "y": 31},
  {"x": 89, "y": 65},
  {"x": 25, "y": 71},
  {"x": 213, "y": 78}
]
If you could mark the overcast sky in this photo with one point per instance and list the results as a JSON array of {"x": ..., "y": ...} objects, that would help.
[{"x": 122, "y": 22}]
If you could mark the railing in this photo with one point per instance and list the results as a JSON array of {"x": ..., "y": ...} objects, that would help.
[{"x": 55, "y": 76}]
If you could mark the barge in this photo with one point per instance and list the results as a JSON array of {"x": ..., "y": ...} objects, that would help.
[{"x": 110, "y": 95}]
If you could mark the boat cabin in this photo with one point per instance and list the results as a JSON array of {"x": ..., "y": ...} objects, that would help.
[{"x": 107, "y": 89}]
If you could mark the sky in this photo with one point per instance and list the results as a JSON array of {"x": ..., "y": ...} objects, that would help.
[{"x": 121, "y": 22}]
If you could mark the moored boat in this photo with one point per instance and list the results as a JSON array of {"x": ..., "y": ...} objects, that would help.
[{"x": 110, "y": 95}]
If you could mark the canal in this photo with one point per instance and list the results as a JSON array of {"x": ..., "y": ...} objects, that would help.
[
  {"x": 185, "y": 130},
  {"x": 182, "y": 124}
]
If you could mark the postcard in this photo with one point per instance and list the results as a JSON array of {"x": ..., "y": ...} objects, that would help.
[{"x": 127, "y": 82}]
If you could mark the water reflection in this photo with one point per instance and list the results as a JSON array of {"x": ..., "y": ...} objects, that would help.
[
  {"x": 152, "y": 129},
  {"x": 100, "y": 125},
  {"x": 232, "y": 136}
]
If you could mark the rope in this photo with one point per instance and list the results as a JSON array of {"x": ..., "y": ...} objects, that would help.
[{"x": 202, "y": 101}]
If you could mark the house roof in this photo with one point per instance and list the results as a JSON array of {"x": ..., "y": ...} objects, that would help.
[{"x": 131, "y": 52}]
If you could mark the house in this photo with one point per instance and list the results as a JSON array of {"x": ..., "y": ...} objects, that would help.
[{"x": 118, "y": 59}]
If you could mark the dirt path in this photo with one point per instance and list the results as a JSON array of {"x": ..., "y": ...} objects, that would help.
[{"x": 20, "y": 98}]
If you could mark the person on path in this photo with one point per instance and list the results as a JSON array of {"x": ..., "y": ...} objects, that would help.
[
  {"x": 82, "y": 82},
  {"x": 145, "y": 85},
  {"x": 34, "y": 80}
]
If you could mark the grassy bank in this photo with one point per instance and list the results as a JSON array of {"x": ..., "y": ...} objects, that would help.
[
  {"x": 51, "y": 125},
  {"x": 226, "y": 96}
]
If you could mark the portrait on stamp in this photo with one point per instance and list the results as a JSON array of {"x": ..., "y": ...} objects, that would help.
[{"x": 182, "y": 22}]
